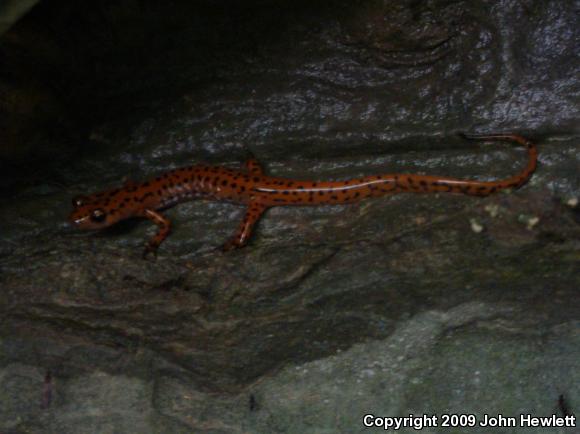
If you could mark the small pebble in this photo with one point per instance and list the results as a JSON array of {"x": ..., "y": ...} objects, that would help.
[
  {"x": 476, "y": 226},
  {"x": 530, "y": 221},
  {"x": 533, "y": 222},
  {"x": 420, "y": 220},
  {"x": 492, "y": 209}
]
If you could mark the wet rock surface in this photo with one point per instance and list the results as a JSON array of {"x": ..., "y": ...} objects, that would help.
[{"x": 423, "y": 304}]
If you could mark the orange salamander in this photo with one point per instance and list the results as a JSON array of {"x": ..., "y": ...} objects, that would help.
[{"x": 258, "y": 192}]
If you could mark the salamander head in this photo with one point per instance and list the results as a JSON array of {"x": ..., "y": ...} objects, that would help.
[{"x": 92, "y": 212}]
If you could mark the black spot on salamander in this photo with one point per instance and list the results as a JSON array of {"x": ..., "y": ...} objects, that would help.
[
  {"x": 334, "y": 196},
  {"x": 234, "y": 185},
  {"x": 256, "y": 179},
  {"x": 357, "y": 194},
  {"x": 285, "y": 192},
  {"x": 493, "y": 189},
  {"x": 224, "y": 182}
]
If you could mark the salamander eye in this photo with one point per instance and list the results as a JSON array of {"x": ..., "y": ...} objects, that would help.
[
  {"x": 79, "y": 201},
  {"x": 98, "y": 215}
]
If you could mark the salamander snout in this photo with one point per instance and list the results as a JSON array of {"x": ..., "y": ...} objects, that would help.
[{"x": 86, "y": 215}]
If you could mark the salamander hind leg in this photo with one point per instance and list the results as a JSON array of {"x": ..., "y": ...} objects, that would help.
[
  {"x": 244, "y": 232},
  {"x": 164, "y": 226},
  {"x": 252, "y": 165}
]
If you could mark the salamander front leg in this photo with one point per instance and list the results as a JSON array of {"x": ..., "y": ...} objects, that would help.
[
  {"x": 240, "y": 239},
  {"x": 164, "y": 229},
  {"x": 253, "y": 166}
]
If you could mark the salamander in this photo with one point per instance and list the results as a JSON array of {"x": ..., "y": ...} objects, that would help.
[{"x": 258, "y": 192}]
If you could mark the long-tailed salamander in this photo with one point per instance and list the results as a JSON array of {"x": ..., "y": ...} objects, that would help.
[{"x": 258, "y": 192}]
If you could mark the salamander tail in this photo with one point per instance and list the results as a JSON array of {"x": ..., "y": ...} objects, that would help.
[{"x": 522, "y": 177}]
